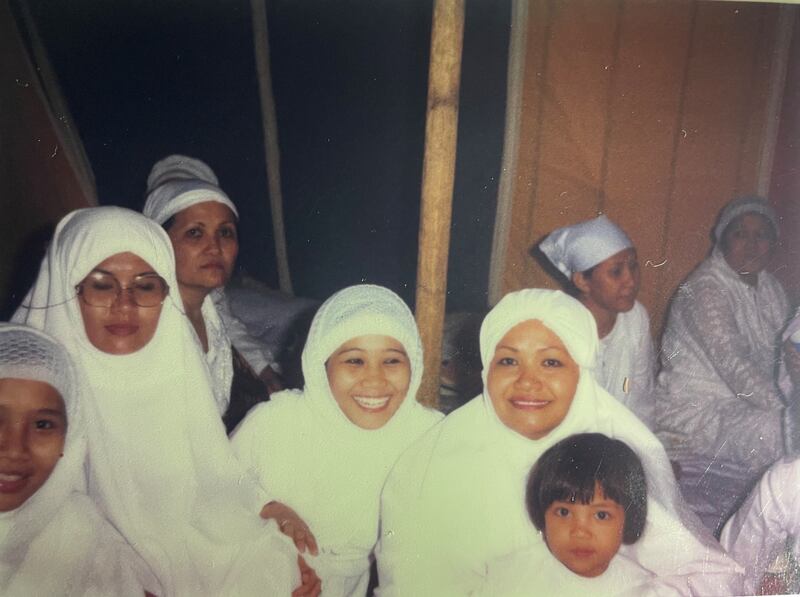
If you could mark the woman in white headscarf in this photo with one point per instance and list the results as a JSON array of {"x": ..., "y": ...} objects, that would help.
[
  {"x": 456, "y": 499},
  {"x": 327, "y": 453},
  {"x": 55, "y": 542},
  {"x": 719, "y": 411},
  {"x": 600, "y": 262},
  {"x": 183, "y": 196},
  {"x": 160, "y": 466}
]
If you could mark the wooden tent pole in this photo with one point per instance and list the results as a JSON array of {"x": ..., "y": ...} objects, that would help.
[
  {"x": 270, "y": 126},
  {"x": 438, "y": 172}
]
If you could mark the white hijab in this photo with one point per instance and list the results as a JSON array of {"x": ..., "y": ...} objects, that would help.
[
  {"x": 311, "y": 457},
  {"x": 177, "y": 183},
  {"x": 457, "y": 498},
  {"x": 49, "y": 545},
  {"x": 160, "y": 465}
]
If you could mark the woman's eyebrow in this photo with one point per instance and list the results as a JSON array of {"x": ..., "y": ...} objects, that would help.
[
  {"x": 506, "y": 347},
  {"x": 52, "y": 411},
  {"x": 355, "y": 348}
]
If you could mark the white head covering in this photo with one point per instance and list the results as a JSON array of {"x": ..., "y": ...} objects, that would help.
[
  {"x": 179, "y": 167},
  {"x": 744, "y": 205},
  {"x": 160, "y": 465},
  {"x": 457, "y": 499},
  {"x": 174, "y": 196},
  {"x": 306, "y": 448},
  {"x": 581, "y": 246}
]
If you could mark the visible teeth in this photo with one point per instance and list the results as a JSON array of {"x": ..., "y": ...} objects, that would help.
[
  {"x": 372, "y": 403},
  {"x": 5, "y": 477}
]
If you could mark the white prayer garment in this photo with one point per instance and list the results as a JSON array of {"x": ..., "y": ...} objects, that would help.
[
  {"x": 160, "y": 466},
  {"x": 312, "y": 458},
  {"x": 455, "y": 501},
  {"x": 757, "y": 533},
  {"x": 718, "y": 409},
  {"x": 56, "y": 542}
]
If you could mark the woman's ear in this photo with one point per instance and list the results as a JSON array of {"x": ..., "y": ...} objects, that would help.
[{"x": 580, "y": 282}]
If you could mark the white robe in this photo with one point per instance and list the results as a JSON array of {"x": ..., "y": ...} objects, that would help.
[
  {"x": 309, "y": 456},
  {"x": 455, "y": 500},
  {"x": 757, "y": 533},
  {"x": 535, "y": 571},
  {"x": 160, "y": 466},
  {"x": 718, "y": 409},
  {"x": 626, "y": 362}
]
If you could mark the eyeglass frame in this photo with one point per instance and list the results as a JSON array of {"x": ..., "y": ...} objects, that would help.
[{"x": 121, "y": 289}]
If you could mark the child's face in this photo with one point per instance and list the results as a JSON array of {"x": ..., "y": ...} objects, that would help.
[
  {"x": 369, "y": 378},
  {"x": 585, "y": 537},
  {"x": 33, "y": 425}
]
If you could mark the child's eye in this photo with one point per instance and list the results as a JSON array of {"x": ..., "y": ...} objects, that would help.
[
  {"x": 561, "y": 511},
  {"x": 603, "y": 515}
]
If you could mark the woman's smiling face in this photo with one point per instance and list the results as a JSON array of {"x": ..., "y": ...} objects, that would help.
[
  {"x": 532, "y": 379},
  {"x": 369, "y": 378}
]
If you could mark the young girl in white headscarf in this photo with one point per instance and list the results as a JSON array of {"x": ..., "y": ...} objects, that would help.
[
  {"x": 600, "y": 261},
  {"x": 325, "y": 452},
  {"x": 160, "y": 466},
  {"x": 455, "y": 500},
  {"x": 183, "y": 195},
  {"x": 53, "y": 541}
]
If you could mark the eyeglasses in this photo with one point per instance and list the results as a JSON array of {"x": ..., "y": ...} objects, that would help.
[{"x": 99, "y": 289}]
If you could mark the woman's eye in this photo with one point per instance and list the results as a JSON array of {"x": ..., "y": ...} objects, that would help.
[
  {"x": 551, "y": 363},
  {"x": 506, "y": 361},
  {"x": 355, "y": 361},
  {"x": 102, "y": 286},
  {"x": 45, "y": 424},
  {"x": 194, "y": 233},
  {"x": 228, "y": 232},
  {"x": 392, "y": 361}
]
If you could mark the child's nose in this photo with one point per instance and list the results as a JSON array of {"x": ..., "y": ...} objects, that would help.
[{"x": 580, "y": 529}]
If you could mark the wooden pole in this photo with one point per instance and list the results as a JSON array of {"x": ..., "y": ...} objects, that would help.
[
  {"x": 269, "y": 123},
  {"x": 438, "y": 172}
]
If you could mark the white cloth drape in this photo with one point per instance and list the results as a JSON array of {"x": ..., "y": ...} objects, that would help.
[
  {"x": 455, "y": 501},
  {"x": 160, "y": 466},
  {"x": 57, "y": 543},
  {"x": 309, "y": 456}
]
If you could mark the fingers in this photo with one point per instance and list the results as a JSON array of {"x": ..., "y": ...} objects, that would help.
[
  {"x": 298, "y": 532},
  {"x": 310, "y": 583}
]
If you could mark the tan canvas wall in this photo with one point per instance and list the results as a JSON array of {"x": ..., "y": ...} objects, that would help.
[
  {"x": 654, "y": 113},
  {"x": 38, "y": 183}
]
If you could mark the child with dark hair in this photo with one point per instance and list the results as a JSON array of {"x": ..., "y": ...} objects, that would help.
[{"x": 587, "y": 495}]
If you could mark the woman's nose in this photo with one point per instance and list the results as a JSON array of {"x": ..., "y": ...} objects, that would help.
[
  {"x": 528, "y": 378},
  {"x": 13, "y": 441},
  {"x": 214, "y": 246}
]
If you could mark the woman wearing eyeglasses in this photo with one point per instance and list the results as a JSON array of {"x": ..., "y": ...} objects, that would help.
[{"x": 160, "y": 466}]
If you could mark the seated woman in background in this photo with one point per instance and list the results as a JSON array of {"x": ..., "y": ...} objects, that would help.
[
  {"x": 455, "y": 500},
  {"x": 185, "y": 198},
  {"x": 54, "y": 541},
  {"x": 160, "y": 466},
  {"x": 600, "y": 262},
  {"x": 325, "y": 452},
  {"x": 718, "y": 409}
]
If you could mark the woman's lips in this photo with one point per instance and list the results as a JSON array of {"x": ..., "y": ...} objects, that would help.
[
  {"x": 122, "y": 329},
  {"x": 12, "y": 482},
  {"x": 528, "y": 403},
  {"x": 372, "y": 403},
  {"x": 213, "y": 265}
]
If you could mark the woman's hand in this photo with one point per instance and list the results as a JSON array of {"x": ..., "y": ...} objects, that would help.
[
  {"x": 292, "y": 526},
  {"x": 310, "y": 584}
]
